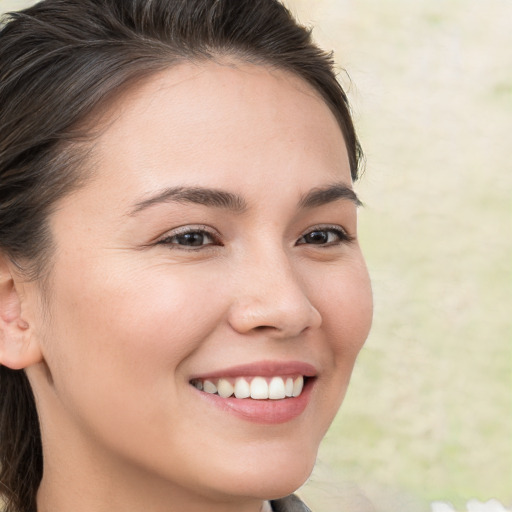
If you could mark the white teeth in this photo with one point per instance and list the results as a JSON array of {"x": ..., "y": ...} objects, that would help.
[
  {"x": 224, "y": 388},
  {"x": 259, "y": 388},
  {"x": 288, "y": 388},
  {"x": 209, "y": 387},
  {"x": 298, "y": 384},
  {"x": 242, "y": 388},
  {"x": 276, "y": 389}
]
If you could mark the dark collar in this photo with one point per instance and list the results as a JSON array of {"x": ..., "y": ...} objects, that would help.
[{"x": 289, "y": 504}]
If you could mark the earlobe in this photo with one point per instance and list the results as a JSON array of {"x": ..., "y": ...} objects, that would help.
[{"x": 18, "y": 347}]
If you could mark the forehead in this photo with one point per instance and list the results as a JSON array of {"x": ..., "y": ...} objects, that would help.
[{"x": 209, "y": 122}]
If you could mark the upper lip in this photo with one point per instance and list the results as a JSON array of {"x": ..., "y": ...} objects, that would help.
[{"x": 262, "y": 369}]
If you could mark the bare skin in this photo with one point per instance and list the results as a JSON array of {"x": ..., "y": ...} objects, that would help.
[{"x": 150, "y": 289}]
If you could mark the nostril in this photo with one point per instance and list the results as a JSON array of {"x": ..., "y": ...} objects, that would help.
[{"x": 263, "y": 327}]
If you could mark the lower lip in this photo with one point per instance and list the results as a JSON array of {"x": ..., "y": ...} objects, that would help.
[{"x": 269, "y": 412}]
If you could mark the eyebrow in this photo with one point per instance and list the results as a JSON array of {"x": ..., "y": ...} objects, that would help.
[
  {"x": 230, "y": 201},
  {"x": 198, "y": 195},
  {"x": 321, "y": 196}
]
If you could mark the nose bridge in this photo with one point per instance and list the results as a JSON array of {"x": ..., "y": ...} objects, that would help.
[{"x": 271, "y": 295}]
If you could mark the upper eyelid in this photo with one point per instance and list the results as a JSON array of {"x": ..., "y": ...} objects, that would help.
[
  {"x": 346, "y": 236},
  {"x": 183, "y": 230},
  {"x": 190, "y": 228},
  {"x": 327, "y": 227}
]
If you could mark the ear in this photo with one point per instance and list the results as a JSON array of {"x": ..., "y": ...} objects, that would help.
[{"x": 18, "y": 347}]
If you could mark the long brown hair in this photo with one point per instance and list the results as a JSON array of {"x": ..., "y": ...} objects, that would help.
[{"x": 60, "y": 61}]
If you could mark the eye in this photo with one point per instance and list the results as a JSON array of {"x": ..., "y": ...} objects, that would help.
[
  {"x": 190, "y": 237},
  {"x": 325, "y": 236}
]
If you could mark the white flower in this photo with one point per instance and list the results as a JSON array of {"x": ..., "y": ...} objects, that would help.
[
  {"x": 472, "y": 506},
  {"x": 488, "y": 506}
]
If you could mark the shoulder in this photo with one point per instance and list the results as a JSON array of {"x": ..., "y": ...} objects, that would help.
[{"x": 289, "y": 504}]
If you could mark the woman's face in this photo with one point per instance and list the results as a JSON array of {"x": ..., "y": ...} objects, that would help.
[{"x": 214, "y": 245}]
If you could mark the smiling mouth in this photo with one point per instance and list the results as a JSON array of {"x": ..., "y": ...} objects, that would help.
[{"x": 256, "y": 388}]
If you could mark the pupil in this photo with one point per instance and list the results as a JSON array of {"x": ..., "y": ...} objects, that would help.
[
  {"x": 193, "y": 239},
  {"x": 317, "y": 237}
]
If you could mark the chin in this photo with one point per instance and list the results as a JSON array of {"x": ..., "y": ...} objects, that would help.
[
  {"x": 285, "y": 484},
  {"x": 276, "y": 477}
]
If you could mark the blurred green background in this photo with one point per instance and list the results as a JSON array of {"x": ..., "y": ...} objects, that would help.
[{"x": 429, "y": 412}]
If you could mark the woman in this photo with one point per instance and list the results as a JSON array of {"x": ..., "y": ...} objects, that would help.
[{"x": 182, "y": 294}]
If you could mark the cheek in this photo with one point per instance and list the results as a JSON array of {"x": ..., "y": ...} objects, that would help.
[
  {"x": 142, "y": 307},
  {"x": 345, "y": 299},
  {"x": 128, "y": 330},
  {"x": 117, "y": 346}
]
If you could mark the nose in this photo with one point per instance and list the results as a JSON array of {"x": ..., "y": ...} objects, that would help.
[{"x": 271, "y": 299}]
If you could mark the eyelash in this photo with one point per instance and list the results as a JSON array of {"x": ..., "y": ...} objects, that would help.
[
  {"x": 191, "y": 230},
  {"x": 342, "y": 237}
]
